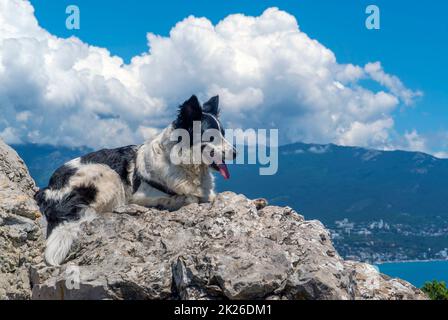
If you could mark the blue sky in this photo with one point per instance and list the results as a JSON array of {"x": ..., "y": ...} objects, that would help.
[{"x": 410, "y": 45}]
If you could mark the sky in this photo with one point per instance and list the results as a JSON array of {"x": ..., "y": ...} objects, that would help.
[{"x": 309, "y": 68}]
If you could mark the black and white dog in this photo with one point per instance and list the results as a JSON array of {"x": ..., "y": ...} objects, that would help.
[{"x": 145, "y": 175}]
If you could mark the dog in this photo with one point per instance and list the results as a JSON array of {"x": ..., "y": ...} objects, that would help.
[{"x": 144, "y": 174}]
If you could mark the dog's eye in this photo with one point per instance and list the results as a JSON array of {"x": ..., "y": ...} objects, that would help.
[{"x": 212, "y": 139}]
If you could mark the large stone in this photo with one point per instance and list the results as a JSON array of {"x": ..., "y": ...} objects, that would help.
[
  {"x": 225, "y": 249},
  {"x": 21, "y": 240}
]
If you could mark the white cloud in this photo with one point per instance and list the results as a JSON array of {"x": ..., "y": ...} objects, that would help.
[
  {"x": 268, "y": 73},
  {"x": 432, "y": 143},
  {"x": 319, "y": 149},
  {"x": 415, "y": 142},
  {"x": 8, "y": 134},
  {"x": 393, "y": 83},
  {"x": 373, "y": 133},
  {"x": 441, "y": 155}
]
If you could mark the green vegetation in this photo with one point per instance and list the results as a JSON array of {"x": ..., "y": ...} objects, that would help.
[{"x": 436, "y": 290}]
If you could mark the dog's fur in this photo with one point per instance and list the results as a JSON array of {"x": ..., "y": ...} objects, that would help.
[{"x": 101, "y": 181}]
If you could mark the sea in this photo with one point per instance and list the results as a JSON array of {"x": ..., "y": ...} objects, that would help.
[{"x": 417, "y": 273}]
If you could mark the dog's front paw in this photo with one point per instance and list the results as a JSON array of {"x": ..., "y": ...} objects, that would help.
[
  {"x": 191, "y": 199},
  {"x": 211, "y": 197}
]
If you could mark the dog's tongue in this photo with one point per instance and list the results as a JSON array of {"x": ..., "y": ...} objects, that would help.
[{"x": 224, "y": 171}]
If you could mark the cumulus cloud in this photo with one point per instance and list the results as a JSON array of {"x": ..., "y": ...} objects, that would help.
[
  {"x": 393, "y": 83},
  {"x": 431, "y": 143},
  {"x": 415, "y": 142},
  {"x": 268, "y": 73}
]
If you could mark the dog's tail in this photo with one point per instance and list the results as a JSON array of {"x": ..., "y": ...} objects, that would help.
[
  {"x": 62, "y": 237},
  {"x": 64, "y": 214}
]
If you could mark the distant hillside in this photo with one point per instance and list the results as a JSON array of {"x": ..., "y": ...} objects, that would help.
[
  {"x": 331, "y": 182},
  {"x": 379, "y": 205},
  {"x": 43, "y": 160}
]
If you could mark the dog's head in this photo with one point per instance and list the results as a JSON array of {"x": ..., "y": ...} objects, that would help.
[{"x": 206, "y": 133}]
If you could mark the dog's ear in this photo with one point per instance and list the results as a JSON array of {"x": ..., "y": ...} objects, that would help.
[
  {"x": 212, "y": 106},
  {"x": 189, "y": 111}
]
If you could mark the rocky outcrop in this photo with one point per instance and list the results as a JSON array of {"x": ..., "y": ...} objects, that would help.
[
  {"x": 232, "y": 248},
  {"x": 20, "y": 235}
]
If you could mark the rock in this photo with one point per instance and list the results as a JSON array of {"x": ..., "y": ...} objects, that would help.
[
  {"x": 227, "y": 249},
  {"x": 369, "y": 284},
  {"x": 13, "y": 168},
  {"x": 21, "y": 238}
]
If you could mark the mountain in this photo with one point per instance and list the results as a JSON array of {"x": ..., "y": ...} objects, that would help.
[
  {"x": 43, "y": 160},
  {"x": 379, "y": 205},
  {"x": 331, "y": 182}
]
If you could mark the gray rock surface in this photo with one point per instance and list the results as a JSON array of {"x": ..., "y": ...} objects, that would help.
[
  {"x": 20, "y": 235},
  {"x": 231, "y": 248}
]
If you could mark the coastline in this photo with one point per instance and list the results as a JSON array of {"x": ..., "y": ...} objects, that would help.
[{"x": 408, "y": 261}]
